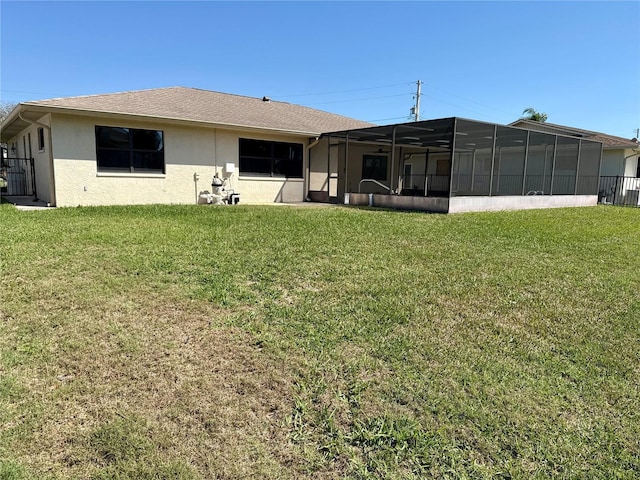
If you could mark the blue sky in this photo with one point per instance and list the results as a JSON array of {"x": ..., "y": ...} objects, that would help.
[{"x": 579, "y": 62}]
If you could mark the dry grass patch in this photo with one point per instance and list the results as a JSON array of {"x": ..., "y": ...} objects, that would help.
[{"x": 153, "y": 383}]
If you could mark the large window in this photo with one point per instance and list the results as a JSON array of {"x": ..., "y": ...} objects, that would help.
[
  {"x": 374, "y": 167},
  {"x": 129, "y": 150},
  {"x": 274, "y": 159}
]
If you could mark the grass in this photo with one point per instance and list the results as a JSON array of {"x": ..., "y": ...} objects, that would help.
[{"x": 273, "y": 342}]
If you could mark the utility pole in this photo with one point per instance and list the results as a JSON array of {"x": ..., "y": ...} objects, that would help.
[{"x": 416, "y": 109}]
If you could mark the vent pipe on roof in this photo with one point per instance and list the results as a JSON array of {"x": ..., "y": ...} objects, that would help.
[{"x": 266, "y": 99}]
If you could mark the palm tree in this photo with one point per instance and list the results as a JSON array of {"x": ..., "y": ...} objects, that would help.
[{"x": 534, "y": 116}]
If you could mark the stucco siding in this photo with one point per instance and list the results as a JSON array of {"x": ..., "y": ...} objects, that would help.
[
  {"x": 318, "y": 166},
  {"x": 259, "y": 189},
  {"x": 192, "y": 156},
  {"x": 42, "y": 163},
  {"x": 41, "y": 157},
  {"x": 188, "y": 152}
]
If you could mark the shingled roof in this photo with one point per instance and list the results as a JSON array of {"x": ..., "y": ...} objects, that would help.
[
  {"x": 608, "y": 141},
  {"x": 196, "y": 105}
]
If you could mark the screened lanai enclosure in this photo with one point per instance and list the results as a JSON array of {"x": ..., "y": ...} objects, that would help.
[{"x": 454, "y": 165}]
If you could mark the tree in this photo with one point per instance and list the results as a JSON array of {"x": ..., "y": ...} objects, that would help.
[
  {"x": 5, "y": 109},
  {"x": 534, "y": 116}
]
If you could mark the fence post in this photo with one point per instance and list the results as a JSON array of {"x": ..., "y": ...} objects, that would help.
[
  {"x": 616, "y": 197},
  {"x": 33, "y": 180}
]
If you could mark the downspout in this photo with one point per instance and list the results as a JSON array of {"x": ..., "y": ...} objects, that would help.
[
  {"x": 215, "y": 151},
  {"x": 52, "y": 175},
  {"x": 314, "y": 143}
]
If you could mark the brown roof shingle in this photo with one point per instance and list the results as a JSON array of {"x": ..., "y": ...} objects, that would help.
[{"x": 192, "y": 104}]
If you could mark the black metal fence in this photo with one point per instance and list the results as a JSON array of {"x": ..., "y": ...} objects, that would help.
[
  {"x": 619, "y": 190},
  {"x": 17, "y": 177}
]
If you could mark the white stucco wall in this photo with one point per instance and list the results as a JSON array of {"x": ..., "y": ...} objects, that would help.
[
  {"x": 192, "y": 155},
  {"x": 253, "y": 188},
  {"x": 41, "y": 157},
  {"x": 318, "y": 166}
]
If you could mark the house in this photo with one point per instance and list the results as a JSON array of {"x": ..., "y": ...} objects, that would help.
[
  {"x": 161, "y": 146},
  {"x": 620, "y": 170},
  {"x": 455, "y": 165},
  {"x": 166, "y": 145}
]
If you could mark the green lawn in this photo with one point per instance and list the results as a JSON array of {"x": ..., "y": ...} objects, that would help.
[{"x": 191, "y": 342}]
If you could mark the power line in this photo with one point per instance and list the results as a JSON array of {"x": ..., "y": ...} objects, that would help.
[
  {"x": 360, "y": 99},
  {"x": 342, "y": 91},
  {"x": 385, "y": 119},
  {"x": 455, "y": 105},
  {"x": 468, "y": 100}
]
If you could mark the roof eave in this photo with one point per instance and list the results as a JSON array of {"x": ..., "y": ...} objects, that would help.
[
  {"x": 8, "y": 122},
  {"x": 174, "y": 120}
]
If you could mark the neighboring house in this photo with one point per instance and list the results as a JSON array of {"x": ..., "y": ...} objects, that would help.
[
  {"x": 163, "y": 146},
  {"x": 619, "y": 155},
  {"x": 620, "y": 170}
]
